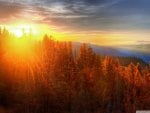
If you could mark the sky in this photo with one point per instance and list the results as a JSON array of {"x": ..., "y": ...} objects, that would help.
[{"x": 101, "y": 22}]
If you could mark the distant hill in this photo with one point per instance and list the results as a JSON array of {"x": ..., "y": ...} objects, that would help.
[
  {"x": 122, "y": 53},
  {"x": 125, "y": 61}
]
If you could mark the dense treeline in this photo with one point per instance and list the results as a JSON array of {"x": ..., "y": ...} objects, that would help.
[
  {"x": 125, "y": 61},
  {"x": 50, "y": 77}
]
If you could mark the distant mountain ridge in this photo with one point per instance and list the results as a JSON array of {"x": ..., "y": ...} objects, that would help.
[{"x": 117, "y": 51}]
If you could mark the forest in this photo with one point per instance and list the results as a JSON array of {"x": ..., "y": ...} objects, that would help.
[{"x": 50, "y": 76}]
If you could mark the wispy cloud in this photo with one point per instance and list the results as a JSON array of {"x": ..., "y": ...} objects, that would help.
[
  {"x": 92, "y": 15},
  {"x": 9, "y": 10}
]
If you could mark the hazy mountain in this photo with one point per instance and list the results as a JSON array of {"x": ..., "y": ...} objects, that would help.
[{"x": 136, "y": 51}]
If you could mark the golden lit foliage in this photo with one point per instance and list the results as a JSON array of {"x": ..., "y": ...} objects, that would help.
[{"x": 49, "y": 76}]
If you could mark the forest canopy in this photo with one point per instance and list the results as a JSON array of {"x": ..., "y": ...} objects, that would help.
[{"x": 49, "y": 76}]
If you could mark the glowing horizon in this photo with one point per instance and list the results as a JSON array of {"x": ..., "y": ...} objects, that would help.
[
  {"x": 104, "y": 38},
  {"x": 110, "y": 38},
  {"x": 108, "y": 23}
]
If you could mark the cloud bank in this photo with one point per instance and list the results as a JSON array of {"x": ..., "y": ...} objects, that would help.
[{"x": 81, "y": 15}]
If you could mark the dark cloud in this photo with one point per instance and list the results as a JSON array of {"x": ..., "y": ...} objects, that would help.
[
  {"x": 76, "y": 14},
  {"x": 98, "y": 14},
  {"x": 84, "y": 14}
]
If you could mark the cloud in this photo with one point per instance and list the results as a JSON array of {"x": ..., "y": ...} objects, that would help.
[
  {"x": 81, "y": 15},
  {"x": 95, "y": 14},
  {"x": 143, "y": 41},
  {"x": 75, "y": 14},
  {"x": 9, "y": 10}
]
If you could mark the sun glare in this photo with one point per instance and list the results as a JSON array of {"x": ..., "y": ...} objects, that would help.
[
  {"x": 17, "y": 32},
  {"x": 22, "y": 29}
]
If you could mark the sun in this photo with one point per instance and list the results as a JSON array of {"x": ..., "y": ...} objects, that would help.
[
  {"x": 21, "y": 29},
  {"x": 17, "y": 32}
]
